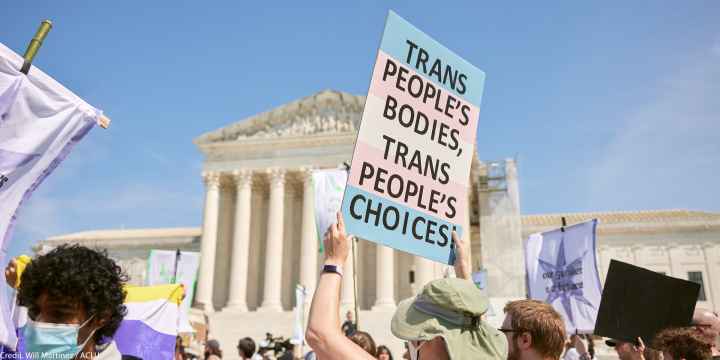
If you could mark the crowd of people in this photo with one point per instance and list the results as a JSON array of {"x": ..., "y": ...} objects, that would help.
[
  {"x": 74, "y": 298},
  {"x": 445, "y": 321}
]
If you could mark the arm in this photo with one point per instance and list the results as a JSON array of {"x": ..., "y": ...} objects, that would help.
[
  {"x": 463, "y": 268},
  {"x": 323, "y": 333}
]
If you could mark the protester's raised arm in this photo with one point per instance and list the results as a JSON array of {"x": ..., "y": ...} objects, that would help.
[
  {"x": 463, "y": 267},
  {"x": 323, "y": 333}
]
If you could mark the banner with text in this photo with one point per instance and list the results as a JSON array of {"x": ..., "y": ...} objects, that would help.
[
  {"x": 562, "y": 271},
  {"x": 409, "y": 176}
]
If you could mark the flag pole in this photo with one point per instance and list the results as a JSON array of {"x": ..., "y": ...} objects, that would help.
[
  {"x": 34, "y": 45},
  {"x": 353, "y": 240},
  {"x": 32, "y": 50}
]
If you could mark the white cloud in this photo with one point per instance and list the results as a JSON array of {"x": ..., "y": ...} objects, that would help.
[{"x": 666, "y": 154}]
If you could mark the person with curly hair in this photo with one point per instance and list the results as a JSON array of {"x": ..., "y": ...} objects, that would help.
[
  {"x": 74, "y": 296},
  {"x": 682, "y": 343}
]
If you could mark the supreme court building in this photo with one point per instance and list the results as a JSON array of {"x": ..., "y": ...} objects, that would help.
[{"x": 258, "y": 237}]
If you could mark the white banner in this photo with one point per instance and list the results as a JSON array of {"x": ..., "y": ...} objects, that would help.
[
  {"x": 186, "y": 274},
  {"x": 40, "y": 123},
  {"x": 562, "y": 271},
  {"x": 329, "y": 190},
  {"x": 167, "y": 267}
]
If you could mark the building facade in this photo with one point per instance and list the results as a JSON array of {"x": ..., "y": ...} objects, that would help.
[{"x": 258, "y": 237}]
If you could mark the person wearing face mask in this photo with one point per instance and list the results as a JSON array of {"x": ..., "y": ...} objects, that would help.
[
  {"x": 74, "y": 296},
  {"x": 442, "y": 322}
]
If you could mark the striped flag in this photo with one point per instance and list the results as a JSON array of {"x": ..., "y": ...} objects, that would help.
[{"x": 150, "y": 327}]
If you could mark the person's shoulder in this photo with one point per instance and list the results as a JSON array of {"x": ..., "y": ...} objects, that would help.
[{"x": 111, "y": 352}]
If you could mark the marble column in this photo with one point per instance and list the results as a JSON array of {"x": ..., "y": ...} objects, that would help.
[
  {"x": 711, "y": 287},
  {"x": 385, "y": 278},
  {"x": 347, "y": 294},
  {"x": 424, "y": 272},
  {"x": 309, "y": 244},
  {"x": 209, "y": 241},
  {"x": 670, "y": 248},
  {"x": 274, "y": 243},
  {"x": 237, "y": 300}
]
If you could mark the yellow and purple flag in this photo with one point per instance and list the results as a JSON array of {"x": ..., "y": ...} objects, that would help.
[{"x": 150, "y": 327}]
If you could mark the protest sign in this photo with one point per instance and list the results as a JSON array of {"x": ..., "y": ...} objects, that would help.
[
  {"x": 562, "y": 271},
  {"x": 169, "y": 267},
  {"x": 329, "y": 186},
  {"x": 638, "y": 302},
  {"x": 161, "y": 267},
  {"x": 408, "y": 180}
]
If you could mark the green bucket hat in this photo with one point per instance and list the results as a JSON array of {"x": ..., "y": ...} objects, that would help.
[{"x": 450, "y": 308}]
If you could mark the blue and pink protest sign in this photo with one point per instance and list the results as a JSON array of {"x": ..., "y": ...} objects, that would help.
[{"x": 409, "y": 177}]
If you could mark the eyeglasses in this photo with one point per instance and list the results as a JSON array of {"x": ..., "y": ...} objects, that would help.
[{"x": 504, "y": 330}]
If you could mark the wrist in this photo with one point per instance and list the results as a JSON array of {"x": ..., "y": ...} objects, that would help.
[
  {"x": 332, "y": 269},
  {"x": 334, "y": 261}
]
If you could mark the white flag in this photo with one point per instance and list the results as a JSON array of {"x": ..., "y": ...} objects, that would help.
[
  {"x": 40, "y": 122},
  {"x": 562, "y": 271},
  {"x": 329, "y": 190}
]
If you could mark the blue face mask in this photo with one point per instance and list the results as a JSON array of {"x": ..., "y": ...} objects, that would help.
[{"x": 56, "y": 341}]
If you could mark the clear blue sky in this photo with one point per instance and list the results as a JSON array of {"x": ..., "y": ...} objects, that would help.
[{"x": 607, "y": 105}]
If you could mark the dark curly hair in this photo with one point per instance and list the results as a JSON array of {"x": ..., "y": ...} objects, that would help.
[
  {"x": 81, "y": 276},
  {"x": 683, "y": 343}
]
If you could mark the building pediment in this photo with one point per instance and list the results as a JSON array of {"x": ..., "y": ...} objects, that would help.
[{"x": 328, "y": 112}]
